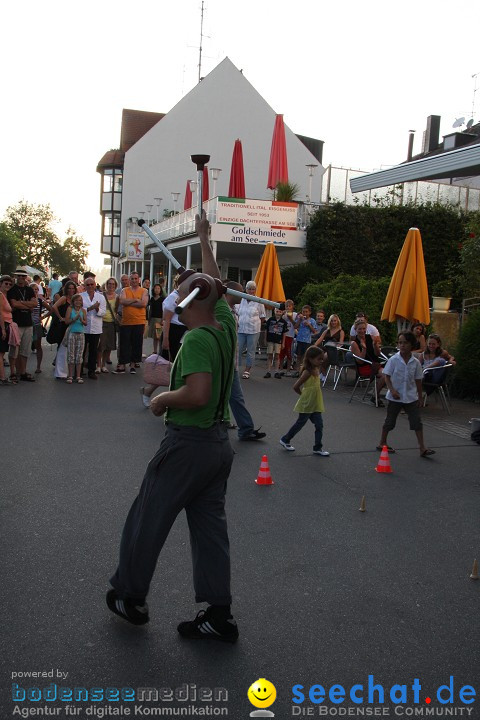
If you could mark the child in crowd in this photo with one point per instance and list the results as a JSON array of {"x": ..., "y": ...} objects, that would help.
[
  {"x": 310, "y": 404},
  {"x": 76, "y": 318},
  {"x": 290, "y": 317},
  {"x": 403, "y": 376},
  {"x": 276, "y": 328},
  {"x": 305, "y": 326}
]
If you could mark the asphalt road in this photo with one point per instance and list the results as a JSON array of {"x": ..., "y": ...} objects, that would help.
[{"x": 323, "y": 594}]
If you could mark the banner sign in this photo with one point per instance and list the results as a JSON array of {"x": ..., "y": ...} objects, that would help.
[
  {"x": 135, "y": 249},
  {"x": 248, "y": 235},
  {"x": 257, "y": 213}
]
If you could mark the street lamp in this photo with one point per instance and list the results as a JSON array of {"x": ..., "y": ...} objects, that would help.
[
  {"x": 311, "y": 170},
  {"x": 141, "y": 213},
  {"x": 215, "y": 173},
  {"x": 193, "y": 189},
  {"x": 157, "y": 203},
  {"x": 175, "y": 197},
  {"x": 149, "y": 210}
]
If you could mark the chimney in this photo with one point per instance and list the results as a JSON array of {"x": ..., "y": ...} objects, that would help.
[
  {"x": 410, "y": 145},
  {"x": 432, "y": 134}
]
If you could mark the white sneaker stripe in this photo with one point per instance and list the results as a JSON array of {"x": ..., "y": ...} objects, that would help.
[{"x": 207, "y": 628}]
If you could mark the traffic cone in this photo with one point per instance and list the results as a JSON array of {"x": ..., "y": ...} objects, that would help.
[
  {"x": 264, "y": 477},
  {"x": 363, "y": 505},
  {"x": 474, "y": 575},
  {"x": 384, "y": 462}
]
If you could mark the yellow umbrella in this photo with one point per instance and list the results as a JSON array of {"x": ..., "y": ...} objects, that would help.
[
  {"x": 407, "y": 295},
  {"x": 268, "y": 279}
]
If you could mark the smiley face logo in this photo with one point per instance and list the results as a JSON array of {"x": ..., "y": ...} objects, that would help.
[{"x": 262, "y": 693}]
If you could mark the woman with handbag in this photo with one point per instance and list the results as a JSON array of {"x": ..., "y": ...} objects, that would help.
[
  {"x": 37, "y": 325},
  {"x": 58, "y": 328},
  {"x": 108, "y": 338}
]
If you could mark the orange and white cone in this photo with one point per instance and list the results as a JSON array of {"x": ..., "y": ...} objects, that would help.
[
  {"x": 264, "y": 477},
  {"x": 384, "y": 462}
]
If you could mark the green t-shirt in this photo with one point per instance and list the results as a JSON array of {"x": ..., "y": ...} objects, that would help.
[{"x": 199, "y": 353}]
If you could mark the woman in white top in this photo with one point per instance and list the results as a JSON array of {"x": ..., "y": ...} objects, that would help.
[
  {"x": 250, "y": 316},
  {"x": 173, "y": 330}
]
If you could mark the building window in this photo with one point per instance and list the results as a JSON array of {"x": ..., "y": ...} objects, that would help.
[
  {"x": 117, "y": 181},
  {"x": 112, "y": 180},
  {"x": 107, "y": 180},
  {"x": 111, "y": 224}
]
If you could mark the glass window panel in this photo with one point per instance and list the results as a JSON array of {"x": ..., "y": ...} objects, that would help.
[
  {"x": 107, "y": 227},
  {"x": 107, "y": 181},
  {"x": 118, "y": 181}
]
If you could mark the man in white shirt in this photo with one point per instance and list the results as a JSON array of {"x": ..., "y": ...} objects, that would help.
[
  {"x": 96, "y": 307},
  {"x": 371, "y": 329},
  {"x": 403, "y": 376}
]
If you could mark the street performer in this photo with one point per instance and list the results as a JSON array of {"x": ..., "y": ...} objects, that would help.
[{"x": 191, "y": 468}]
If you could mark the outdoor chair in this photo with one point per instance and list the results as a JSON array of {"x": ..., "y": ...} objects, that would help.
[
  {"x": 338, "y": 363},
  {"x": 435, "y": 379},
  {"x": 365, "y": 382},
  {"x": 386, "y": 351}
]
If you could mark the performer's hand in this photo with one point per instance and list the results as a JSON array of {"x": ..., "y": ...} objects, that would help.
[
  {"x": 157, "y": 406},
  {"x": 202, "y": 225}
]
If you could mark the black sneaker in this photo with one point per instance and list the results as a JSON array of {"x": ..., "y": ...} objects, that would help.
[
  {"x": 267, "y": 375},
  {"x": 208, "y": 625},
  {"x": 254, "y": 435},
  {"x": 130, "y": 610},
  {"x": 278, "y": 375}
]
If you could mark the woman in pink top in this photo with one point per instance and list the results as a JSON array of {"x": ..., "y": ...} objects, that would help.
[{"x": 6, "y": 283}]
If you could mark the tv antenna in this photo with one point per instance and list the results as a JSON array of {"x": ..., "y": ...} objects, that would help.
[
  {"x": 474, "y": 78},
  {"x": 201, "y": 43}
]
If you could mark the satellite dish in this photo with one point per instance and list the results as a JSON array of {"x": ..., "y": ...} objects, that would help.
[
  {"x": 459, "y": 122},
  {"x": 469, "y": 123}
]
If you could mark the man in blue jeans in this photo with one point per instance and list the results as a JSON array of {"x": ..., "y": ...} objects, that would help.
[{"x": 242, "y": 417}]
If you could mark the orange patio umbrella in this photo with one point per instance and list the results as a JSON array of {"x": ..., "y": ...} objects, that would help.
[
  {"x": 268, "y": 279},
  {"x": 407, "y": 297}
]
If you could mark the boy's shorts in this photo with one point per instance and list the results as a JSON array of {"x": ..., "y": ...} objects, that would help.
[
  {"x": 412, "y": 410},
  {"x": 273, "y": 348}
]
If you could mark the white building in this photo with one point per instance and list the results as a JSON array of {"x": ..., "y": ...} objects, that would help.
[{"x": 153, "y": 165}]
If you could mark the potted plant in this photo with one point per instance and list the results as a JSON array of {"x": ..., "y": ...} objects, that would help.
[{"x": 442, "y": 296}]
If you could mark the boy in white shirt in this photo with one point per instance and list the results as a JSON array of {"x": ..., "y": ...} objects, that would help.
[{"x": 403, "y": 376}]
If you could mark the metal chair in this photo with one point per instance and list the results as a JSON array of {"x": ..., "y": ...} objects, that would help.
[
  {"x": 386, "y": 351},
  {"x": 336, "y": 363},
  {"x": 367, "y": 381},
  {"x": 440, "y": 386}
]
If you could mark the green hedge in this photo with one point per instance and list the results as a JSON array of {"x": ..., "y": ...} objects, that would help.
[
  {"x": 346, "y": 295},
  {"x": 467, "y": 356},
  {"x": 364, "y": 240}
]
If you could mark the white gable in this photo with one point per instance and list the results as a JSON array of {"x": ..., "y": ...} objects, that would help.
[{"x": 222, "y": 107}]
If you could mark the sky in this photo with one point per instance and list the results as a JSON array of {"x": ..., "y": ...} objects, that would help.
[{"x": 357, "y": 75}]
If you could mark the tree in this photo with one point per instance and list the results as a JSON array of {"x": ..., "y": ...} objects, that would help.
[
  {"x": 11, "y": 249},
  {"x": 76, "y": 250},
  {"x": 38, "y": 245},
  {"x": 33, "y": 225}
]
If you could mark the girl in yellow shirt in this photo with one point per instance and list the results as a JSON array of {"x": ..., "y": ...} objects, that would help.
[{"x": 310, "y": 403}]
